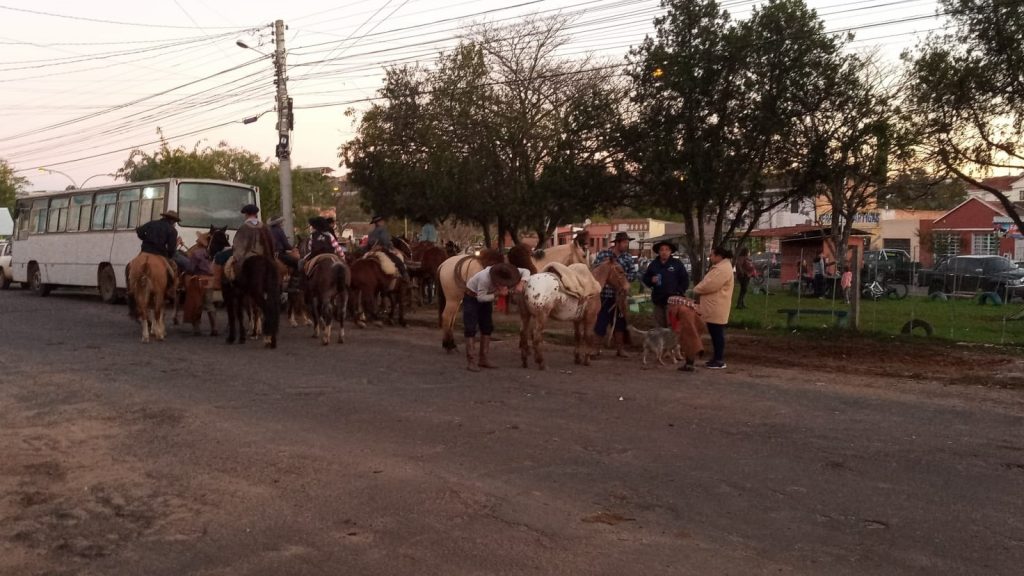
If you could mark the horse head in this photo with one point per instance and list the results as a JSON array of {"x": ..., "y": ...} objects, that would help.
[
  {"x": 611, "y": 273},
  {"x": 402, "y": 245},
  {"x": 218, "y": 240}
]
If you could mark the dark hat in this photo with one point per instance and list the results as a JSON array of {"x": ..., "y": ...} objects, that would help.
[
  {"x": 276, "y": 221},
  {"x": 171, "y": 215},
  {"x": 505, "y": 274},
  {"x": 318, "y": 223},
  {"x": 376, "y": 219},
  {"x": 622, "y": 236},
  {"x": 250, "y": 209},
  {"x": 657, "y": 246}
]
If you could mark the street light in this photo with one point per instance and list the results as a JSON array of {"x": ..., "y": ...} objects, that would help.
[
  {"x": 48, "y": 171},
  {"x": 94, "y": 176}
]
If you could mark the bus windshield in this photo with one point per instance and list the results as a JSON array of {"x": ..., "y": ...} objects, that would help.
[{"x": 203, "y": 204}]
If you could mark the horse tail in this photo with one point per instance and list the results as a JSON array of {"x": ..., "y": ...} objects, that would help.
[
  {"x": 272, "y": 302},
  {"x": 440, "y": 303},
  {"x": 342, "y": 276},
  {"x": 141, "y": 287}
]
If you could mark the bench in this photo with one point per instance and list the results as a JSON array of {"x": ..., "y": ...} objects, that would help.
[{"x": 793, "y": 313}]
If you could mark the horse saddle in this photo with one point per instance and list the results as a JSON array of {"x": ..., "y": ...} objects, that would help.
[
  {"x": 316, "y": 260},
  {"x": 576, "y": 279},
  {"x": 386, "y": 263}
]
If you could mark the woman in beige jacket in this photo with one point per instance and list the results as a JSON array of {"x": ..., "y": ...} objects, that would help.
[{"x": 715, "y": 293}]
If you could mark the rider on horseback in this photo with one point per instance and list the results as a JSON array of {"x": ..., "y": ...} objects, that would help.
[
  {"x": 247, "y": 241},
  {"x": 283, "y": 249},
  {"x": 380, "y": 241},
  {"x": 160, "y": 237}
]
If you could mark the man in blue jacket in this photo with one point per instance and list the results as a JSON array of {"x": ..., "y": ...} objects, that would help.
[{"x": 666, "y": 276}]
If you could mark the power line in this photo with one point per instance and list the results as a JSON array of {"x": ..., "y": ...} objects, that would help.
[{"x": 101, "y": 21}]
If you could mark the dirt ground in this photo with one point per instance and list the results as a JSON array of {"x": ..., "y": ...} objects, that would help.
[{"x": 384, "y": 456}]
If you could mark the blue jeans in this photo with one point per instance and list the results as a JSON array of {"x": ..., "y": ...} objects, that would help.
[{"x": 604, "y": 318}]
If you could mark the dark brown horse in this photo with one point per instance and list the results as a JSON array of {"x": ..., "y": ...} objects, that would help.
[
  {"x": 368, "y": 280},
  {"x": 423, "y": 259},
  {"x": 326, "y": 296},
  {"x": 257, "y": 286}
]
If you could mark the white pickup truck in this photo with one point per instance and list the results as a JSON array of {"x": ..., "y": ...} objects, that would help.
[{"x": 5, "y": 265}]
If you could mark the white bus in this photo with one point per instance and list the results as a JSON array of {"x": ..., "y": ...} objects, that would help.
[{"x": 85, "y": 238}]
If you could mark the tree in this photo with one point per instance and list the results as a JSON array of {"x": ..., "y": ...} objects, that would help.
[
  {"x": 918, "y": 189},
  {"x": 714, "y": 107},
  {"x": 221, "y": 163},
  {"x": 968, "y": 93},
  {"x": 10, "y": 185}
]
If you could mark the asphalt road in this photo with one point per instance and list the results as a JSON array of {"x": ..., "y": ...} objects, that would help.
[{"x": 384, "y": 456}]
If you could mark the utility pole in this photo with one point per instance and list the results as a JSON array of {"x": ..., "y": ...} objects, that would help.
[{"x": 285, "y": 121}]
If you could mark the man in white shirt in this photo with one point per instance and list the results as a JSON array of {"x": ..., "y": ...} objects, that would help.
[{"x": 478, "y": 308}]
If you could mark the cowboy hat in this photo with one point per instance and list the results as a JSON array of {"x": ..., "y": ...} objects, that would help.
[
  {"x": 505, "y": 274},
  {"x": 657, "y": 246},
  {"x": 376, "y": 219},
  {"x": 203, "y": 238},
  {"x": 250, "y": 209},
  {"x": 172, "y": 215},
  {"x": 276, "y": 221},
  {"x": 622, "y": 236}
]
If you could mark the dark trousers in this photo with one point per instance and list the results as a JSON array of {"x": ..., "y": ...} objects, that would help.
[
  {"x": 744, "y": 283},
  {"x": 604, "y": 318},
  {"x": 819, "y": 285},
  {"x": 477, "y": 314},
  {"x": 717, "y": 332}
]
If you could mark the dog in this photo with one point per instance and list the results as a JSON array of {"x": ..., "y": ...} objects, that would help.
[{"x": 660, "y": 341}]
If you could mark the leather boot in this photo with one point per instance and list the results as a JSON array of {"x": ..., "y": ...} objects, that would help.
[
  {"x": 620, "y": 345},
  {"x": 471, "y": 364},
  {"x": 485, "y": 350}
]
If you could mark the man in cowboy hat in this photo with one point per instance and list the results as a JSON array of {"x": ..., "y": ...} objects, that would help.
[
  {"x": 247, "y": 241},
  {"x": 380, "y": 240},
  {"x": 160, "y": 237},
  {"x": 609, "y": 313},
  {"x": 665, "y": 276},
  {"x": 478, "y": 308}
]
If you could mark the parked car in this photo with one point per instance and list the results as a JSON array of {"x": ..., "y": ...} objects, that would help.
[
  {"x": 5, "y": 265},
  {"x": 974, "y": 274},
  {"x": 889, "y": 264},
  {"x": 772, "y": 261}
]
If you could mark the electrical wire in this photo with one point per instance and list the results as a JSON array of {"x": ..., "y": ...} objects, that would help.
[{"x": 101, "y": 21}]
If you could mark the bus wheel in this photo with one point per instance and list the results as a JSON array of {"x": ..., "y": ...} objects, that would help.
[
  {"x": 35, "y": 280},
  {"x": 108, "y": 285}
]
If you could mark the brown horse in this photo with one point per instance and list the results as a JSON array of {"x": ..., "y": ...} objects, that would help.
[
  {"x": 574, "y": 296},
  {"x": 326, "y": 296},
  {"x": 423, "y": 259},
  {"x": 368, "y": 280},
  {"x": 256, "y": 287},
  {"x": 150, "y": 277},
  {"x": 453, "y": 275}
]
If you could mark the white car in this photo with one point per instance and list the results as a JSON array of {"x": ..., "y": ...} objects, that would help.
[{"x": 5, "y": 265}]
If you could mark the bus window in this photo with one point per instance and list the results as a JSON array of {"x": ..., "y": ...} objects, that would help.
[
  {"x": 24, "y": 219},
  {"x": 152, "y": 203},
  {"x": 58, "y": 215},
  {"x": 81, "y": 210},
  {"x": 103, "y": 213},
  {"x": 202, "y": 204},
  {"x": 38, "y": 217},
  {"x": 128, "y": 209}
]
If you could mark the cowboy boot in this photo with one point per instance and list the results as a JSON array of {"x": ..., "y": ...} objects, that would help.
[
  {"x": 620, "y": 345},
  {"x": 471, "y": 364},
  {"x": 485, "y": 350}
]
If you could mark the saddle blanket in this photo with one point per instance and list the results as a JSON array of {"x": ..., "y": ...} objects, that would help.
[
  {"x": 308, "y": 270},
  {"x": 577, "y": 280},
  {"x": 386, "y": 264}
]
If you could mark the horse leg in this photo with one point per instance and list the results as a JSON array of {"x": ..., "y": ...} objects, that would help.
[
  {"x": 144, "y": 320},
  {"x": 401, "y": 309},
  {"x": 339, "y": 310},
  {"x": 326, "y": 320},
  {"x": 159, "y": 328},
  {"x": 449, "y": 310},
  {"x": 229, "y": 307},
  {"x": 524, "y": 339},
  {"x": 578, "y": 342},
  {"x": 538, "y": 341}
]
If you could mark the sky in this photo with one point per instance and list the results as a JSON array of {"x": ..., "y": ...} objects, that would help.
[{"x": 82, "y": 84}]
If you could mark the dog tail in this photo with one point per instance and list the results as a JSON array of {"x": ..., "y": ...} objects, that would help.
[{"x": 638, "y": 331}]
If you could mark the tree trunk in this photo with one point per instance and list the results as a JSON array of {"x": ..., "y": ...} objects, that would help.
[{"x": 486, "y": 227}]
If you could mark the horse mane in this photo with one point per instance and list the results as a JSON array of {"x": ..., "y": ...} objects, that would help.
[
  {"x": 519, "y": 256},
  {"x": 581, "y": 239},
  {"x": 218, "y": 240},
  {"x": 406, "y": 246}
]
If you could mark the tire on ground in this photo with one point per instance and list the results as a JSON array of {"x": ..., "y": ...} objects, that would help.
[
  {"x": 986, "y": 297},
  {"x": 909, "y": 327},
  {"x": 938, "y": 296}
]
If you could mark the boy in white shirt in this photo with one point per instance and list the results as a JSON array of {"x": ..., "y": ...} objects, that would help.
[{"x": 478, "y": 308}]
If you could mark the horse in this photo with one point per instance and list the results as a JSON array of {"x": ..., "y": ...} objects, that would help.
[
  {"x": 150, "y": 276},
  {"x": 423, "y": 260},
  {"x": 453, "y": 275},
  {"x": 368, "y": 279},
  {"x": 326, "y": 295},
  {"x": 554, "y": 292},
  {"x": 257, "y": 285},
  {"x": 574, "y": 252}
]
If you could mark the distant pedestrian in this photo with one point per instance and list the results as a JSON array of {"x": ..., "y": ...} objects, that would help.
[
  {"x": 666, "y": 276},
  {"x": 715, "y": 292},
  {"x": 745, "y": 270},
  {"x": 847, "y": 283},
  {"x": 820, "y": 266}
]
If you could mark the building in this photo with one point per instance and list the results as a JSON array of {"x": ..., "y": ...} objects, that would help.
[
  {"x": 1011, "y": 186},
  {"x": 900, "y": 230},
  {"x": 600, "y": 234},
  {"x": 803, "y": 242},
  {"x": 972, "y": 227}
]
